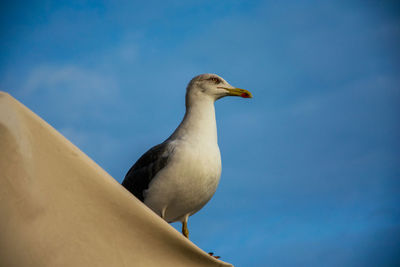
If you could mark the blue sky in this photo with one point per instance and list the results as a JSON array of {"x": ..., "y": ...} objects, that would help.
[{"x": 311, "y": 165}]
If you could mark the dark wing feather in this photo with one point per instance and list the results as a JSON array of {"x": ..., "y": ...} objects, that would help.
[{"x": 139, "y": 176}]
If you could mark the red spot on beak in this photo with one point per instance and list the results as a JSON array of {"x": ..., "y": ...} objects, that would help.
[{"x": 245, "y": 95}]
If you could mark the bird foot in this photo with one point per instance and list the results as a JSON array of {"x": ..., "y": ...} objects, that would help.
[{"x": 212, "y": 255}]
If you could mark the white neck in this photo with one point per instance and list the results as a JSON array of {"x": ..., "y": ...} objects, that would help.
[{"x": 199, "y": 122}]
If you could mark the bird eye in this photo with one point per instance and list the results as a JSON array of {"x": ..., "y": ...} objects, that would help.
[{"x": 215, "y": 80}]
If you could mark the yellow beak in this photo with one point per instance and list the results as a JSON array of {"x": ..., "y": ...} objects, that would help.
[{"x": 238, "y": 92}]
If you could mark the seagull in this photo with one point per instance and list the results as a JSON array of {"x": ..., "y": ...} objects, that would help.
[{"x": 179, "y": 176}]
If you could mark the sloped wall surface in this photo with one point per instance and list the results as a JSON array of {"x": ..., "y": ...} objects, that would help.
[{"x": 59, "y": 208}]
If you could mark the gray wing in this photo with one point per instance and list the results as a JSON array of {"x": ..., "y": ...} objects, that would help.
[{"x": 139, "y": 176}]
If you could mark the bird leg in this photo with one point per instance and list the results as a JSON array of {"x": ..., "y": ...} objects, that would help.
[
  {"x": 163, "y": 213},
  {"x": 185, "y": 230}
]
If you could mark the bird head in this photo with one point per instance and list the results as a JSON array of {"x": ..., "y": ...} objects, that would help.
[{"x": 214, "y": 87}]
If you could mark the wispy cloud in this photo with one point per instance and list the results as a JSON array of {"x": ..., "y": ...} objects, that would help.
[
  {"x": 72, "y": 81},
  {"x": 70, "y": 90}
]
